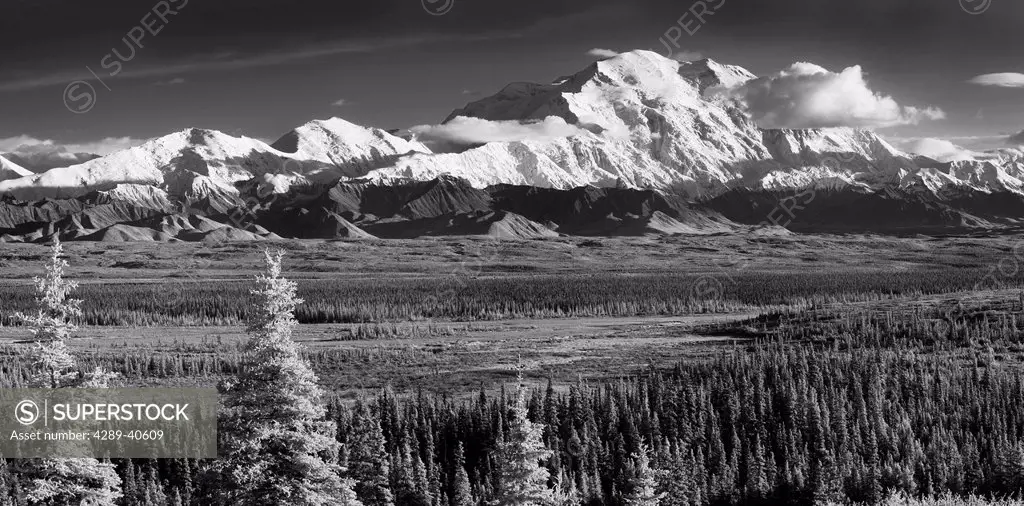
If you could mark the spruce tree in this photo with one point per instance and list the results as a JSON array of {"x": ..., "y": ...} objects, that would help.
[
  {"x": 678, "y": 483},
  {"x": 643, "y": 481},
  {"x": 277, "y": 445},
  {"x": 51, "y": 361},
  {"x": 523, "y": 481},
  {"x": 7, "y": 497},
  {"x": 824, "y": 482},
  {"x": 368, "y": 459},
  {"x": 61, "y": 481},
  {"x": 409, "y": 481},
  {"x": 462, "y": 492}
]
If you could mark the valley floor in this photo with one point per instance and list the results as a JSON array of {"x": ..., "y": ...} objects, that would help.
[
  {"x": 460, "y": 357},
  {"x": 618, "y": 328},
  {"x": 114, "y": 263}
]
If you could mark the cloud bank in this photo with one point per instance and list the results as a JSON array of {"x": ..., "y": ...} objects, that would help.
[
  {"x": 602, "y": 53},
  {"x": 44, "y": 154},
  {"x": 681, "y": 55},
  {"x": 940, "y": 149},
  {"x": 462, "y": 131},
  {"x": 808, "y": 96},
  {"x": 1016, "y": 139},
  {"x": 171, "y": 82},
  {"x": 687, "y": 56},
  {"x": 1002, "y": 80}
]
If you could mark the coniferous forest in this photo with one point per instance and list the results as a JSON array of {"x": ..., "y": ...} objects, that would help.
[{"x": 815, "y": 407}]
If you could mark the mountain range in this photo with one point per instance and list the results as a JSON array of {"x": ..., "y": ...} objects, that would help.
[{"x": 633, "y": 144}]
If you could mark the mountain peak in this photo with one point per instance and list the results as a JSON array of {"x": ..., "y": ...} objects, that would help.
[
  {"x": 709, "y": 73},
  {"x": 646, "y": 121},
  {"x": 641, "y": 65},
  {"x": 353, "y": 148}
]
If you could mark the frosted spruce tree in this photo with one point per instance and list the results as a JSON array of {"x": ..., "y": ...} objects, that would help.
[
  {"x": 643, "y": 481},
  {"x": 277, "y": 446},
  {"x": 52, "y": 325},
  {"x": 61, "y": 481},
  {"x": 462, "y": 491},
  {"x": 523, "y": 481}
]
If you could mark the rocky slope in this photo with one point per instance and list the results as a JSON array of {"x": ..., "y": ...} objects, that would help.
[{"x": 362, "y": 210}]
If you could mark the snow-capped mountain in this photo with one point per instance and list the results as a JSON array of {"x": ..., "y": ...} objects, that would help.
[
  {"x": 353, "y": 150},
  {"x": 196, "y": 162},
  {"x": 998, "y": 171},
  {"x": 651, "y": 122},
  {"x": 212, "y": 159},
  {"x": 633, "y": 120}
]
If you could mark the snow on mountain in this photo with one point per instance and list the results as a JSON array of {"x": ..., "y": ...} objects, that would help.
[
  {"x": 984, "y": 175},
  {"x": 194, "y": 163},
  {"x": 634, "y": 120},
  {"x": 144, "y": 195},
  {"x": 352, "y": 149},
  {"x": 708, "y": 73},
  {"x": 649, "y": 121},
  {"x": 11, "y": 170},
  {"x": 213, "y": 157}
]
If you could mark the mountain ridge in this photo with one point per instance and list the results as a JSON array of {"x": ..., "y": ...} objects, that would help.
[{"x": 633, "y": 121}]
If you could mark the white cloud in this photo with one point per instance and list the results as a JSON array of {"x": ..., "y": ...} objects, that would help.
[
  {"x": 687, "y": 56},
  {"x": 1016, "y": 139},
  {"x": 105, "y": 146},
  {"x": 978, "y": 146},
  {"x": 939, "y": 149},
  {"x": 47, "y": 153},
  {"x": 340, "y": 102},
  {"x": 682, "y": 55},
  {"x": 602, "y": 53},
  {"x": 173, "y": 82},
  {"x": 463, "y": 131},
  {"x": 1003, "y": 80},
  {"x": 808, "y": 96},
  {"x": 12, "y": 143}
]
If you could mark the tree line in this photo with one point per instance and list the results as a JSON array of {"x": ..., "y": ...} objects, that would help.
[{"x": 463, "y": 297}]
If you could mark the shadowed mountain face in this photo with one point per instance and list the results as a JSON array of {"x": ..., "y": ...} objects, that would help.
[
  {"x": 411, "y": 200},
  {"x": 452, "y": 206},
  {"x": 360, "y": 210},
  {"x": 892, "y": 211}
]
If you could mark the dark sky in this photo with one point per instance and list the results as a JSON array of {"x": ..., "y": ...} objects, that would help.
[{"x": 261, "y": 67}]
